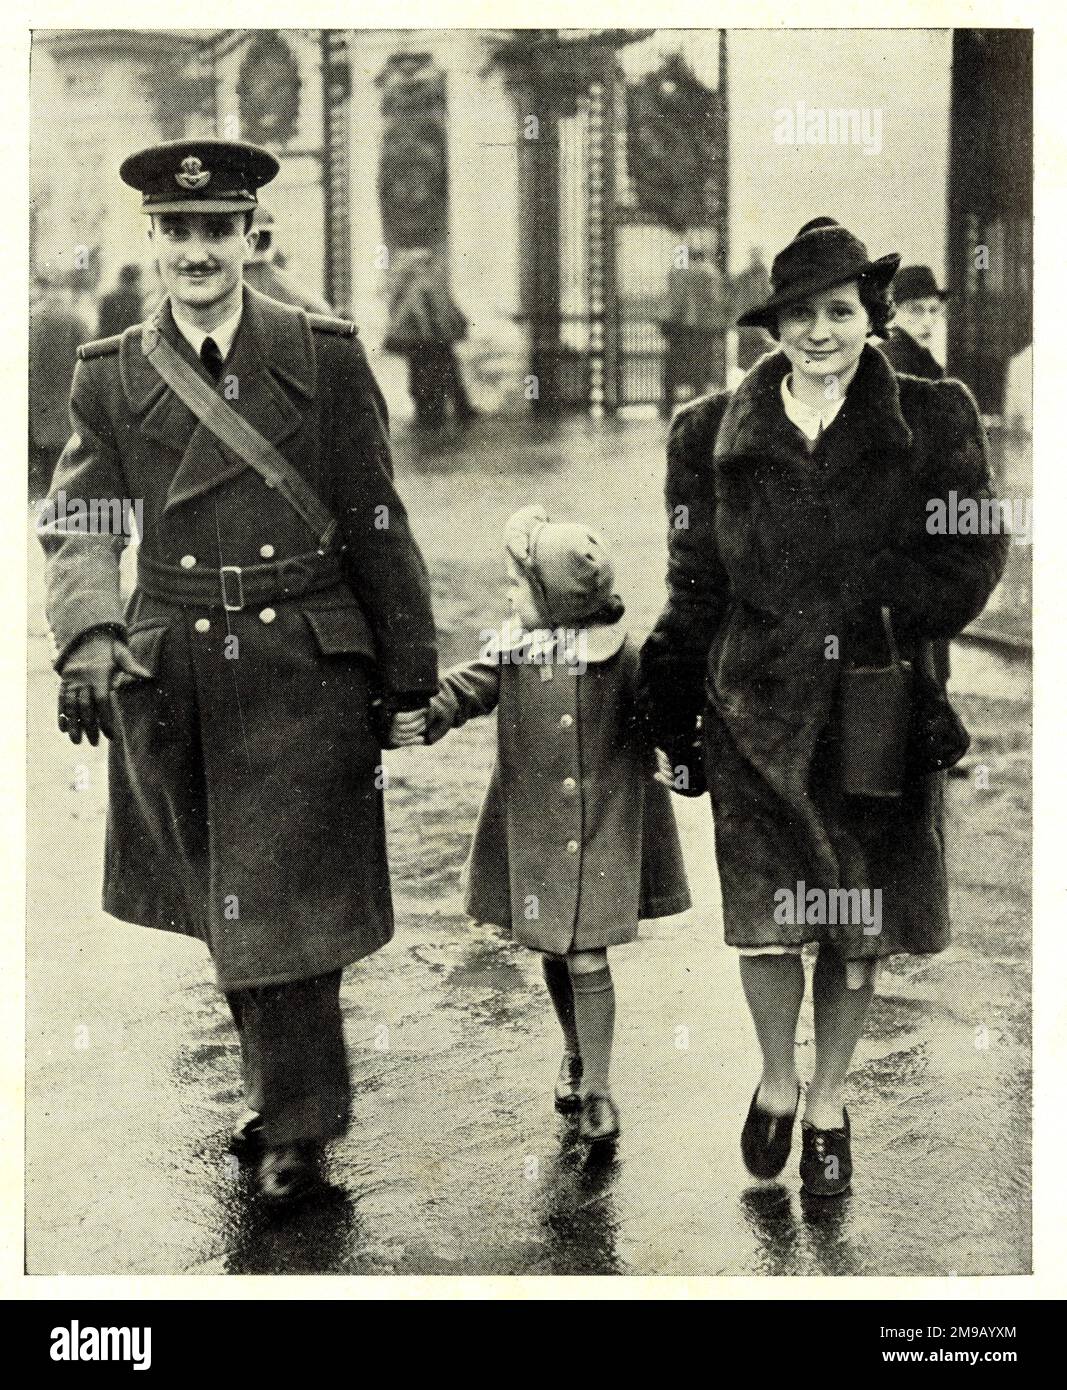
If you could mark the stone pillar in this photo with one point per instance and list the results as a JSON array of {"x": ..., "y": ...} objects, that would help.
[{"x": 480, "y": 242}]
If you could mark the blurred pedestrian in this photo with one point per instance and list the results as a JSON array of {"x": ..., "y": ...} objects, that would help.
[
  {"x": 424, "y": 324},
  {"x": 805, "y": 496},
  {"x": 264, "y": 271},
  {"x": 694, "y": 326},
  {"x": 750, "y": 288},
  {"x": 56, "y": 331},
  {"x": 575, "y": 840},
  {"x": 122, "y": 306},
  {"x": 919, "y": 306}
]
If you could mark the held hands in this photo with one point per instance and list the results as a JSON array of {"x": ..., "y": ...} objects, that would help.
[
  {"x": 86, "y": 684},
  {"x": 411, "y": 728},
  {"x": 407, "y": 728}
]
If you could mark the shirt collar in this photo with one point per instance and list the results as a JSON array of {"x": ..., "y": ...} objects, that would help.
[
  {"x": 223, "y": 335},
  {"x": 810, "y": 421}
]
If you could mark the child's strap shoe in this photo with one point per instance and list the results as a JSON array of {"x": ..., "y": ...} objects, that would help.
[{"x": 568, "y": 1093}]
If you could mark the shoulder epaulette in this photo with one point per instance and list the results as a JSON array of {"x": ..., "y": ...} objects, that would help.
[
  {"x": 99, "y": 347},
  {"x": 322, "y": 323}
]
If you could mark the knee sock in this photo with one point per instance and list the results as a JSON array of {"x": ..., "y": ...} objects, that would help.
[
  {"x": 558, "y": 981},
  {"x": 594, "y": 1015}
]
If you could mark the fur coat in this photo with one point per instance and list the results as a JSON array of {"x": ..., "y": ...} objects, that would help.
[{"x": 779, "y": 561}]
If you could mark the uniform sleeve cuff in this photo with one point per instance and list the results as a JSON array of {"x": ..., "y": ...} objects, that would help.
[{"x": 116, "y": 629}]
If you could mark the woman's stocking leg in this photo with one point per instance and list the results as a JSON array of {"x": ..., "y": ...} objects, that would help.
[
  {"x": 840, "y": 1015},
  {"x": 774, "y": 989}
]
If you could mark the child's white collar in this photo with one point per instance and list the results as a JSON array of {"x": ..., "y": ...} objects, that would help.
[{"x": 592, "y": 644}]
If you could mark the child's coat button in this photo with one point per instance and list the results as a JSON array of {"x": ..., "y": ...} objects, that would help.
[
  {"x": 202, "y": 625},
  {"x": 565, "y": 721},
  {"x": 572, "y": 846}
]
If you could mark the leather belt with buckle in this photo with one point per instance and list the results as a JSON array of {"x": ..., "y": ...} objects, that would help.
[
  {"x": 235, "y": 587},
  {"x": 232, "y": 584}
]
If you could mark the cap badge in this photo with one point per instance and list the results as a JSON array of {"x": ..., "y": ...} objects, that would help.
[{"x": 193, "y": 174}]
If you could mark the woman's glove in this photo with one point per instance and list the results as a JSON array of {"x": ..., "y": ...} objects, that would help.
[{"x": 680, "y": 766}]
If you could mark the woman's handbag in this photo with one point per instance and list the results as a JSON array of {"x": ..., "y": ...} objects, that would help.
[
  {"x": 875, "y": 718},
  {"x": 895, "y": 720}
]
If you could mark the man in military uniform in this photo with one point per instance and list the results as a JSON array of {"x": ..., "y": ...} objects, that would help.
[{"x": 280, "y": 622}]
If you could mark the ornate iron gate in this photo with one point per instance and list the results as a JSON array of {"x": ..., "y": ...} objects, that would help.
[
  {"x": 600, "y": 230},
  {"x": 336, "y": 101}
]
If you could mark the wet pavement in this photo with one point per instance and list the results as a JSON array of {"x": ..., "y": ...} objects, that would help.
[{"x": 455, "y": 1162}]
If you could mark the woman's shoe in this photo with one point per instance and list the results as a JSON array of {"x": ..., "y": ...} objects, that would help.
[
  {"x": 288, "y": 1172},
  {"x": 826, "y": 1159},
  {"x": 599, "y": 1119},
  {"x": 567, "y": 1093},
  {"x": 766, "y": 1139}
]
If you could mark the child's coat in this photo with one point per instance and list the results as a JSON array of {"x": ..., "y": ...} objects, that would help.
[{"x": 574, "y": 840}]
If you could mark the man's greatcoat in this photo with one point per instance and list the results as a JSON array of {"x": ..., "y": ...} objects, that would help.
[{"x": 244, "y": 795}]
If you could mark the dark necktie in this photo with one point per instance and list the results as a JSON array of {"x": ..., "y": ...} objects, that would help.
[{"x": 211, "y": 358}]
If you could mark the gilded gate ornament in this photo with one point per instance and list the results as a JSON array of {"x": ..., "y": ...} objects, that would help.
[{"x": 675, "y": 148}]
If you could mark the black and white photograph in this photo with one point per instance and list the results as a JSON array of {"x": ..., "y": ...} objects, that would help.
[{"x": 529, "y": 656}]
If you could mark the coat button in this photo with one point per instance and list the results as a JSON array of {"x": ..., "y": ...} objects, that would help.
[
  {"x": 267, "y": 551},
  {"x": 202, "y": 625},
  {"x": 187, "y": 562},
  {"x": 572, "y": 846},
  {"x": 565, "y": 721},
  {"x": 569, "y": 784},
  {"x": 267, "y": 616}
]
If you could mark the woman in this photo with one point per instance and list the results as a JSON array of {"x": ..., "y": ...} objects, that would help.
[{"x": 797, "y": 509}]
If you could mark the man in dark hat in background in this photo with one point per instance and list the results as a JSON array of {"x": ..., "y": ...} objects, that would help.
[
  {"x": 919, "y": 305},
  {"x": 281, "y": 618},
  {"x": 123, "y": 305}
]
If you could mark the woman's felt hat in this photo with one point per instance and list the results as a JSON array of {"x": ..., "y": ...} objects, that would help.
[{"x": 821, "y": 255}]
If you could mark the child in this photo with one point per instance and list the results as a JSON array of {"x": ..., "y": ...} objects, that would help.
[{"x": 574, "y": 840}]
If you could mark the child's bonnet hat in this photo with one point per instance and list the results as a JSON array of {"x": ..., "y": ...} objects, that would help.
[{"x": 568, "y": 566}]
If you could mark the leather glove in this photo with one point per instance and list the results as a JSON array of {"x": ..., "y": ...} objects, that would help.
[
  {"x": 86, "y": 683},
  {"x": 680, "y": 765}
]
